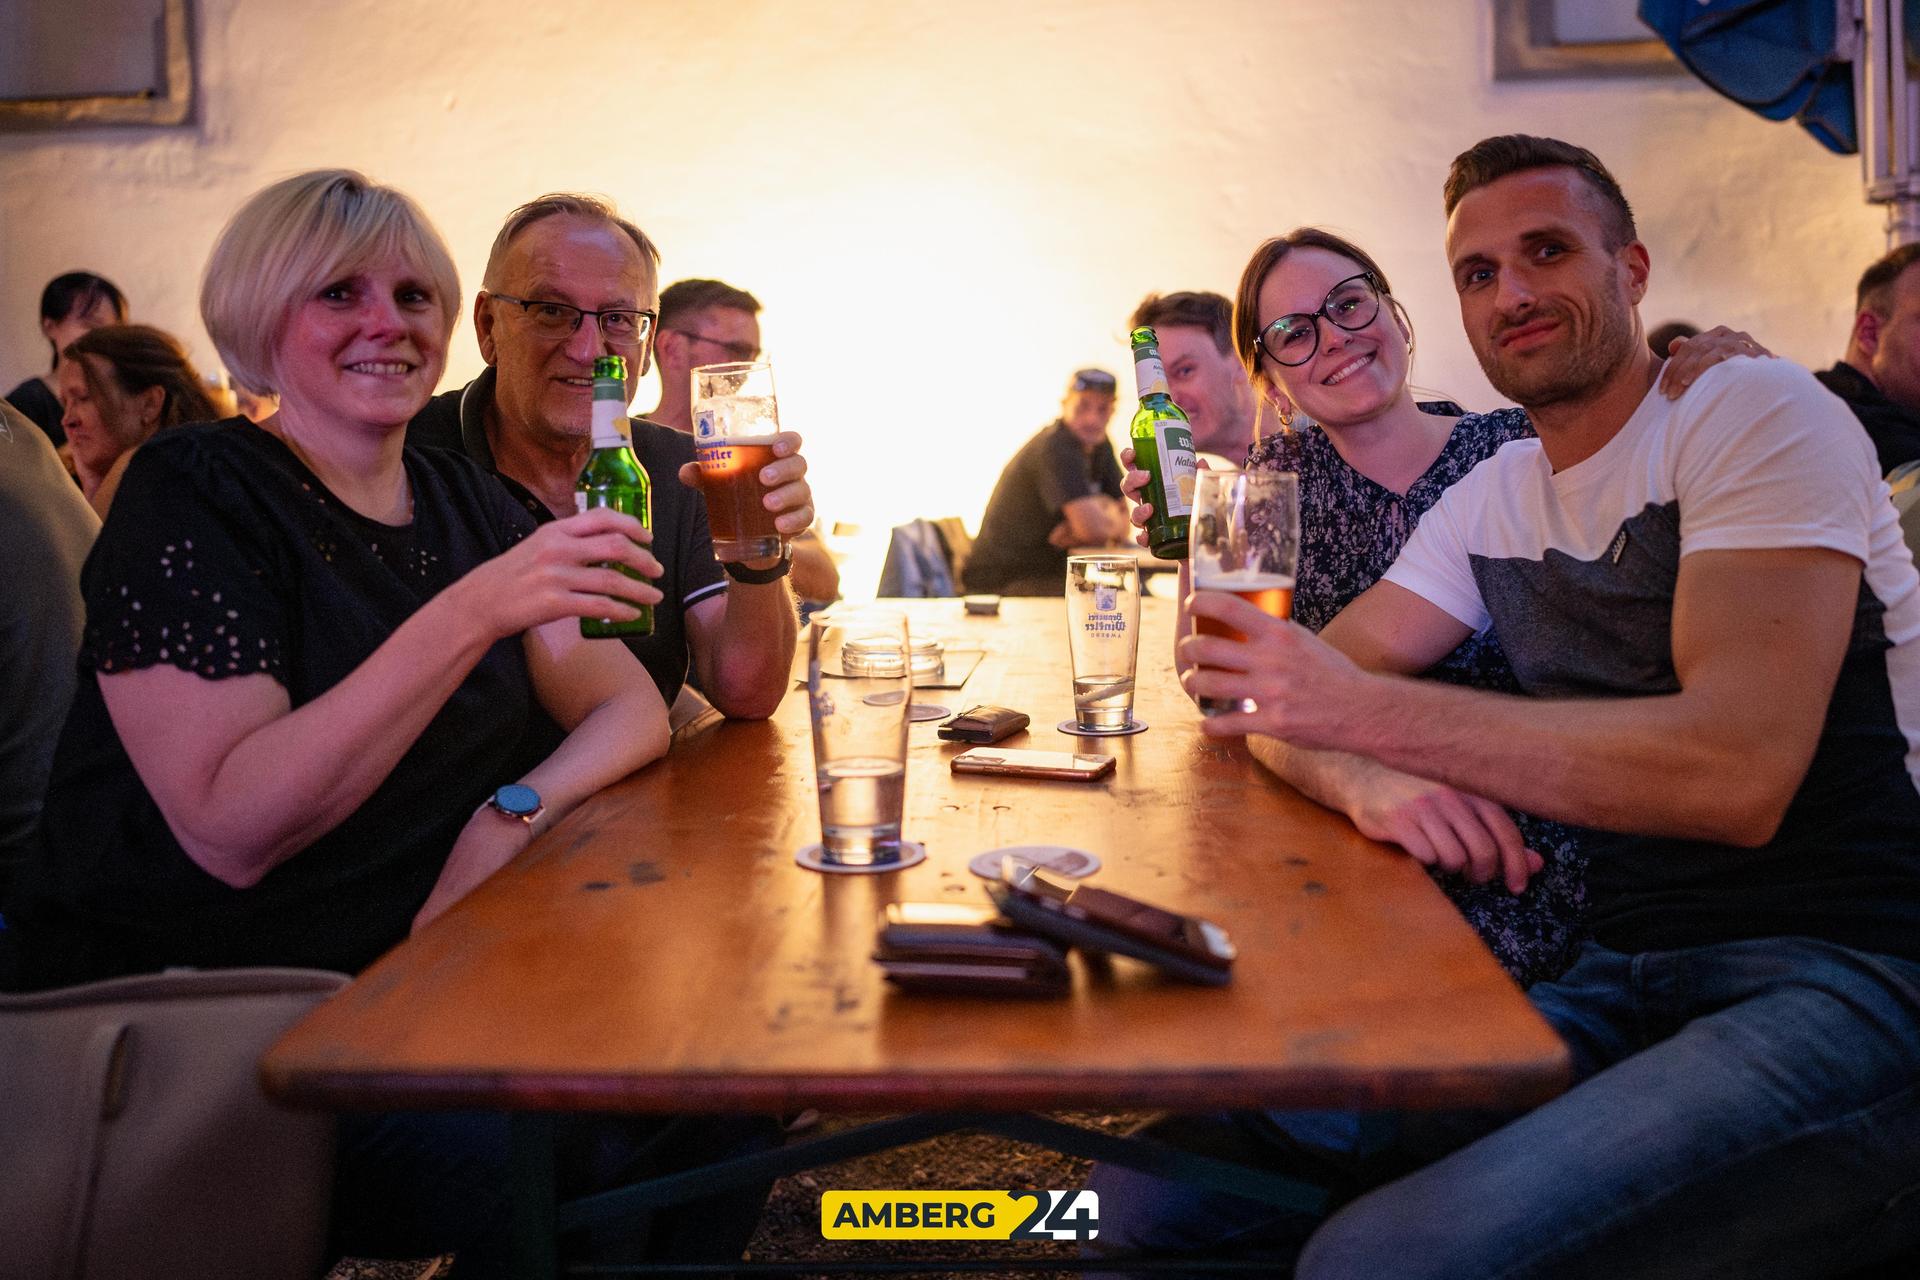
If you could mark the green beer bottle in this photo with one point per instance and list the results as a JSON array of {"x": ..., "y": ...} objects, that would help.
[
  {"x": 1163, "y": 448},
  {"x": 613, "y": 477}
]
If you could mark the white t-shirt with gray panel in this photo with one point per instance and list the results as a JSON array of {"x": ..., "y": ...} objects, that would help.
[{"x": 1575, "y": 571}]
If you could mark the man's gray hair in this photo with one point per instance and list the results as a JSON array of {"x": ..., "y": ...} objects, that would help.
[{"x": 567, "y": 202}]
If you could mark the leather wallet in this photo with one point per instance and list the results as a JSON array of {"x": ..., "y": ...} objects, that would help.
[
  {"x": 983, "y": 724},
  {"x": 959, "y": 949}
]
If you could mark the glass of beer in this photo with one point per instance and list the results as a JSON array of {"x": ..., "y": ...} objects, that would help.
[
  {"x": 1244, "y": 539},
  {"x": 735, "y": 418},
  {"x": 1103, "y": 637},
  {"x": 859, "y": 682}
]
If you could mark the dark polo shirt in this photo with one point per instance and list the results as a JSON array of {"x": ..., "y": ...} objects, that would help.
[
  {"x": 682, "y": 541},
  {"x": 1895, "y": 431}
]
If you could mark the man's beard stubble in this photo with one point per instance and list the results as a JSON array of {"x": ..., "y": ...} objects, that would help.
[{"x": 1574, "y": 373}]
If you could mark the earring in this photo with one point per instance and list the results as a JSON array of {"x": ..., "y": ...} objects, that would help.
[{"x": 1285, "y": 407}]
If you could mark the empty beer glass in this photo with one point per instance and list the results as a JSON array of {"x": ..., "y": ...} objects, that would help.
[
  {"x": 735, "y": 418},
  {"x": 1103, "y": 636},
  {"x": 1245, "y": 539},
  {"x": 859, "y": 681}
]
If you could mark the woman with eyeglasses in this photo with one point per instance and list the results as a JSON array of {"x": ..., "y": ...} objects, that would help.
[{"x": 1330, "y": 350}]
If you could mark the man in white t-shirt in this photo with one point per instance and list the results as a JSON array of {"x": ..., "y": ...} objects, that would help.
[{"x": 1710, "y": 604}]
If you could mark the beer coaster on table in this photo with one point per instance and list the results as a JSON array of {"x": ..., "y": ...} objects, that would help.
[
  {"x": 916, "y": 712},
  {"x": 1130, "y": 727},
  {"x": 911, "y": 852},
  {"x": 1057, "y": 858}
]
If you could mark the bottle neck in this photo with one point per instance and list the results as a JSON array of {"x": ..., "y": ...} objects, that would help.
[{"x": 1150, "y": 374}]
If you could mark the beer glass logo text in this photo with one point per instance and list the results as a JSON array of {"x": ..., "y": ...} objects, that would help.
[{"x": 960, "y": 1215}]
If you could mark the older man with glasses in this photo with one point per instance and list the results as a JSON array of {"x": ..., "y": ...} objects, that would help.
[{"x": 569, "y": 280}]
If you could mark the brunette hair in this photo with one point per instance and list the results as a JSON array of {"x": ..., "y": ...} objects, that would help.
[
  {"x": 1195, "y": 309},
  {"x": 79, "y": 291},
  {"x": 1491, "y": 159},
  {"x": 683, "y": 298},
  {"x": 140, "y": 356},
  {"x": 1246, "y": 299},
  {"x": 1875, "y": 292}
]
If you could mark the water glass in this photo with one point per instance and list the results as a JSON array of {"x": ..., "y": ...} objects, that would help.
[
  {"x": 859, "y": 683},
  {"x": 1103, "y": 636}
]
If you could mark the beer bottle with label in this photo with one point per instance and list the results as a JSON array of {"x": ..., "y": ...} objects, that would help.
[
  {"x": 1163, "y": 448},
  {"x": 613, "y": 477}
]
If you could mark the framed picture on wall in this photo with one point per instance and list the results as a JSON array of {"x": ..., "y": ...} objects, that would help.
[
  {"x": 1553, "y": 39},
  {"x": 67, "y": 63}
]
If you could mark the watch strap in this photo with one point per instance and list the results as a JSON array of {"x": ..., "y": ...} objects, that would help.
[{"x": 760, "y": 577}]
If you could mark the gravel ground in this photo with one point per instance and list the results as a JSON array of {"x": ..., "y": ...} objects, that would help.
[{"x": 790, "y": 1227}]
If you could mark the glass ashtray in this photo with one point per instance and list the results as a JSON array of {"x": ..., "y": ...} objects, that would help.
[
  {"x": 929, "y": 657},
  {"x": 871, "y": 657}
]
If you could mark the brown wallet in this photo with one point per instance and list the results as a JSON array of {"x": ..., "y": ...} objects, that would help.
[{"x": 983, "y": 724}]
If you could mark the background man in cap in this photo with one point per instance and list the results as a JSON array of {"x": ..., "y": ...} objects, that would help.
[{"x": 1061, "y": 490}]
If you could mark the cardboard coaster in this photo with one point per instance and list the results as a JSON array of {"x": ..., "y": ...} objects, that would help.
[
  {"x": 927, "y": 711},
  {"x": 1072, "y": 863},
  {"x": 1073, "y": 727},
  {"x": 911, "y": 853}
]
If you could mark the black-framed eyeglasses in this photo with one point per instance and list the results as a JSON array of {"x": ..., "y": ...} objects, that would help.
[
  {"x": 742, "y": 352},
  {"x": 561, "y": 319},
  {"x": 1352, "y": 304}
]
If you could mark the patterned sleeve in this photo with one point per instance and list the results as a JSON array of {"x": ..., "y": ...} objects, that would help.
[
  {"x": 181, "y": 575},
  {"x": 1277, "y": 452}
]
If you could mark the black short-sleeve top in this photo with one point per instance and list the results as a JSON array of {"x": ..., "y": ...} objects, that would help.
[{"x": 225, "y": 556}]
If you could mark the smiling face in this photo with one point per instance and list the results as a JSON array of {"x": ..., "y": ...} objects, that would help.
[
  {"x": 1210, "y": 386},
  {"x": 1351, "y": 377},
  {"x": 365, "y": 350},
  {"x": 1548, "y": 305},
  {"x": 545, "y": 384}
]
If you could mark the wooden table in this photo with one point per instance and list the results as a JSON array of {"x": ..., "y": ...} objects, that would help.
[{"x": 659, "y": 950}]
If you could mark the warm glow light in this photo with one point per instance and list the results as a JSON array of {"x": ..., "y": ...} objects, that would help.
[{"x": 945, "y": 208}]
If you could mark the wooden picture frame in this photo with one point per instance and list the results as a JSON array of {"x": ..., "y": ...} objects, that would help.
[
  {"x": 1526, "y": 46},
  {"x": 170, "y": 102}
]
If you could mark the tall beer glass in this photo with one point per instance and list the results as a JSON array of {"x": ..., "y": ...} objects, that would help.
[
  {"x": 1103, "y": 637},
  {"x": 1245, "y": 539},
  {"x": 735, "y": 418}
]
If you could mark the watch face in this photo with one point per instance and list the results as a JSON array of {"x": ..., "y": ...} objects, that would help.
[{"x": 516, "y": 800}]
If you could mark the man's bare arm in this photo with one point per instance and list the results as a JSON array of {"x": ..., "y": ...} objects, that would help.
[{"x": 1758, "y": 637}]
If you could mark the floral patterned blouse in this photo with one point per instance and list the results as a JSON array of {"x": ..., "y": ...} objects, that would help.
[{"x": 1351, "y": 530}]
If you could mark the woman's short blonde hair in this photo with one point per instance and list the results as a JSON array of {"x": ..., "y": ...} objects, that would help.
[{"x": 290, "y": 239}]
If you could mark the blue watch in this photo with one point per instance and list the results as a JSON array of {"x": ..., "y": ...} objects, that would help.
[{"x": 517, "y": 801}]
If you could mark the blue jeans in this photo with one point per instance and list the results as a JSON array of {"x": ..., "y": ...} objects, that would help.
[{"x": 1747, "y": 1109}]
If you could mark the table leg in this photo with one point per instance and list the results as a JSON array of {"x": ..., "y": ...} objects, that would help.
[{"x": 535, "y": 1196}]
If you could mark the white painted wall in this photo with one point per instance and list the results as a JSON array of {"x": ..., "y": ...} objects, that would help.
[{"x": 946, "y": 207}]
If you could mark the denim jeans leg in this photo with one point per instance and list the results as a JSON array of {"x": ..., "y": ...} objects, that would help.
[{"x": 1774, "y": 1132}]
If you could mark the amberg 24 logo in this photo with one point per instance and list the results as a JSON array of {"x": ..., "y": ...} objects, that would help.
[{"x": 960, "y": 1215}]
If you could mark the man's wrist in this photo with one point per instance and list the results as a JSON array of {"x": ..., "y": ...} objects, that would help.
[{"x": 762, "y": 570}]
